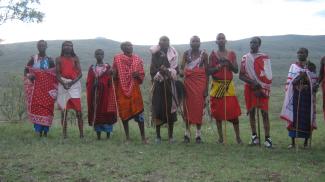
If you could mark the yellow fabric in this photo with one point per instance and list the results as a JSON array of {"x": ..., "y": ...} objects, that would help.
[{"x": 220, "y": 88}]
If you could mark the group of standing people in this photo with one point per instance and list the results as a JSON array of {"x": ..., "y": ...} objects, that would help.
[{"x": 114, "y": 91}]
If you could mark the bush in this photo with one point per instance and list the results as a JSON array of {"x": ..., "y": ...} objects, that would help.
[{"x": 12, "y": 99}]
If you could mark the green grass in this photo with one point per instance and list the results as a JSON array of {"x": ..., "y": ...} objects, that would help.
[{"x": 26, "y": 157}]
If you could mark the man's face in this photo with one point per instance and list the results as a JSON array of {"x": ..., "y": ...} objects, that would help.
[
  {"x": 41, "y": 46},
  {"x": 127, "y": 48},
  {"x": 302, "y": 55},
  {"x": 254, "y": 45},
  {"x": 99, "y": 55},
  {"x": 221, "y": 40},
  {"x": 67, "y": 47},
  {"x": 195, "y": 43},
  {"x": 164, "y": 42}
]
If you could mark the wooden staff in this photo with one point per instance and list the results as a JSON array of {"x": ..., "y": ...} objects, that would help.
[
  {"x": 258, "y": 121},
  {"x": 117, "y": 112},
  {"x": 95, "y": 102},
  {"x": 297, "y": 114},
  {"x": 166, "y": 108},
  {"x": 187, "y": 121},
  {"x": 225, "y": 101}
]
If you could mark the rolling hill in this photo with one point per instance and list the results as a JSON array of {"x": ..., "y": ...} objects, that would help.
[{"x": 282, "y": 50}]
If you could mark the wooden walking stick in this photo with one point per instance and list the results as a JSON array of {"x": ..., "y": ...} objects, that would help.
[
  {"x": 95, "y": 102},
  {"x": 297, "y": 114},
  {"x": 187, "y": 120},
  {"x": 226, "y": 89},
  {"x": 166, "y": 108},
  {"x": 64, "y": 122},
  {"x": 116, "y": 106},
  {"x": 258, "y": 121}
]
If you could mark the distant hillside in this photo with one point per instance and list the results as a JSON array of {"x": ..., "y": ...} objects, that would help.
[{"x": 282, "y": 50}]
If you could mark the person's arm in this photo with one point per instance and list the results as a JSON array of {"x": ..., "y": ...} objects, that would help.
[
  {"x": 78, "y": 67},
  {"x": 232, "y": 64},
  {"x": 321, "y": 70},
  {"x": 154, "y": 69},
  {"x": 205, "y": 58},
  {"x": 29, "y": 64},
  {"x": 51, "y": 63},
  {"x": 243, "y": 76},
  {"x": 139, "y": 74},
  {"x": 211, "y": 68},
  {"x": 183, "y": 62},
  {"x": 58, "y": 71}
]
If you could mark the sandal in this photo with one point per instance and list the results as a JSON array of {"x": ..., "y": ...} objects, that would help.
[
  {"x": 254, "y": 140},
  {"x": 186, "y": 139},
  {"x": 198, "y": 140},
  {"x": 268, "y": 143}
]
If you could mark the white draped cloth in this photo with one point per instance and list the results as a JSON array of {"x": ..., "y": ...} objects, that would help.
[{"x": 64, "y": 95}]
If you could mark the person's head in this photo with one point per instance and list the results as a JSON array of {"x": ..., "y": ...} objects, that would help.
[
  {"x": 302, "y": 54},
  {"x": 255, "y": 44},
  {"x": 221, "y": 40},
  {"x": 164, "y": 42},
  {"x": 41, "y": 46},
  {"x": 127, "y": 48},
  {"x": 67, "y": 49},
  {"x": 99, "y": 54},
  {"x": 195, "y": 42}
]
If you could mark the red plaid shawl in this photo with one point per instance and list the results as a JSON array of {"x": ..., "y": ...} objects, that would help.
[
  {"x": 125, "y": 66},
  {"x": 40, "y": 96}
]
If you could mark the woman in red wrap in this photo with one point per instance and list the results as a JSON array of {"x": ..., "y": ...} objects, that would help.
[
  {"x": 100, "y": 96},
  {"x": 40, "y": 89},
  {"x": 68, "y": 74}
]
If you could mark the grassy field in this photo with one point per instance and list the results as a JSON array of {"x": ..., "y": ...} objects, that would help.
[{"x": 26, "y": 157}]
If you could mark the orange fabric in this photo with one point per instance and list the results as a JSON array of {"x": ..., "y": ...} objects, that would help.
[
  {"x": 129, "y": 106},
  {"x": 195, "y": 84},
  {"x": 68, "y": 68},
  {"x": 253, "y": 101}
]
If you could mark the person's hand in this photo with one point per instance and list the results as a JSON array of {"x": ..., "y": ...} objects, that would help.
[
  {"x": 135, "y": 75},
  {"x": 31, "y": 77},
  {"x": 67, "y": 85},
  {"x": 315, "y": 87},
  {"x": 95, "y": 84},
  {"x": 224, "y": 62},
  {"x": 205, "y": 94},
  {"x": 114, "y": 73},
  {"x": 110, "y": 72},
  {"x": 256, "y": 85},
  {"x": 181, "y": 74},
  {"x": 303, "y": 75},
  {"x": 163, "y": 70}
]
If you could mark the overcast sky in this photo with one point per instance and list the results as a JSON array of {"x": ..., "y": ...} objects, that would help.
[{"x": 144, "y": 21}]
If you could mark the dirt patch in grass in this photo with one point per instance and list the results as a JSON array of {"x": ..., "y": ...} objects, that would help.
[
  {"x": 154, "y": 176},
  {"x": 83, "y": 180},
  {"x": 88, "y": 164}
]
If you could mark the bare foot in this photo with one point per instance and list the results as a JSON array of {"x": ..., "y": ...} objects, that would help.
[
  {"x": 239, "y": 141},
  {"x": 220, "y": 141},
  {"x": 171, "y": 140},
  {"x": 145, "y": 141},
  {"x": 291, "y": 146}
]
